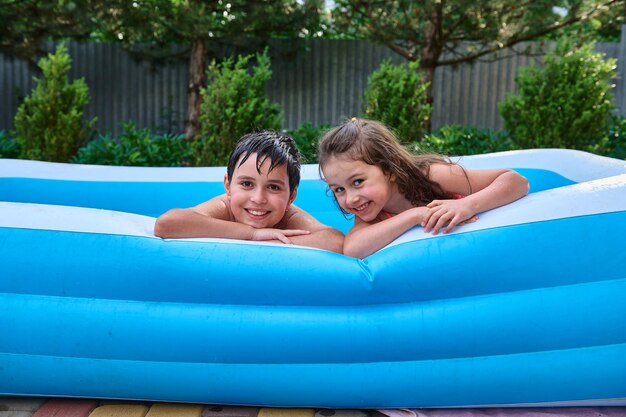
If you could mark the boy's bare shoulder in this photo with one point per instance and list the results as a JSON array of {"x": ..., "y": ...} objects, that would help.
[{"x": 217, "y": 208}]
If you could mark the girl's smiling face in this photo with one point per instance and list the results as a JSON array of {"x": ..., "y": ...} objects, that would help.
[
  {"x": 361, "y": 189},
  {"x": 258, "y": 198}
]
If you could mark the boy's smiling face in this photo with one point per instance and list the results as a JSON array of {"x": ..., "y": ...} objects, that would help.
[{"x": 258, "y": 199}]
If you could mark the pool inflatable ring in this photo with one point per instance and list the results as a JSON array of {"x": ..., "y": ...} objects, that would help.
[{"x": 524, "y": 306}]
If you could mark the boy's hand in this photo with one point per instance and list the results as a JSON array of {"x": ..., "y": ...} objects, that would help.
[
  {"x": 277, "y": 234},
  {"x": 448, "y": 213}
]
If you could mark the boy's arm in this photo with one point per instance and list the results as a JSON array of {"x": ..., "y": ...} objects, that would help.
[
  {"x": 209, "y": 219},
  {"x": 213, "y": 219},
  {"x": 321, "y": 236}
]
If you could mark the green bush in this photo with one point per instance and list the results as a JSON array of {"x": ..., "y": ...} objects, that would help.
[
  {"x": 616, "y": 142},
  {"x": 465, "y": 140},
  {"x": 565, "y": 104},
  {"x": 233, "y": 104},
  {"x": 49, "y": 123},
  {"x": 8, "y": 146},
  {"x": 396, "y": 96},
  {"x": 136, "y": 147},
  {"x": 306, "y": 137}
]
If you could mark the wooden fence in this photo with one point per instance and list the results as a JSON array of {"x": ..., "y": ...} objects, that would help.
[{"x": 321, "y": 85}]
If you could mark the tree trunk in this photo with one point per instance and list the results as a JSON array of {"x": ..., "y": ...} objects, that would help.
[
  {"x": 429, "y": 76},
  {"x": 429, "y": 56},
  {"x": 197, "y": 80}
]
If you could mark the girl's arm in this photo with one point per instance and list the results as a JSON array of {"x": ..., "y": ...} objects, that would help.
[
  {"x": 484, "y": 190},
  {"x": 213, "y": 219},
  {"x": 366, "y": 238}
]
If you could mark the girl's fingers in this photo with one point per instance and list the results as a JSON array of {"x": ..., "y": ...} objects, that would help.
[
  {"x": 441, "y": 219},
  {"x": 426, "y": 219},
  {"x": 453, "y": 223},
  {"x": 431, "y": 219},
  {"x": 471, "y": 219}
]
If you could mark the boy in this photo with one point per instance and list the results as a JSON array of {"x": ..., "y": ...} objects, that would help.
[{"x": 261, "y": 183}]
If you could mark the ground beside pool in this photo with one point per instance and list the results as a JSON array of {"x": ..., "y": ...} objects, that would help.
[{"x": 55, "y": 407}]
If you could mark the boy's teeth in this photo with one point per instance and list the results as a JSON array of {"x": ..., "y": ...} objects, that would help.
[{"x": 257, "y": 213}]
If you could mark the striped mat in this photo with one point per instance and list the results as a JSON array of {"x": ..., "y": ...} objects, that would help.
[{"x": 54, "y": 407}]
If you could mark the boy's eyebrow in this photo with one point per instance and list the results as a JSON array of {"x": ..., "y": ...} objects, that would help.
[
  {"x": 247, "y": 177},
  {"x": 281, "y": 182}
]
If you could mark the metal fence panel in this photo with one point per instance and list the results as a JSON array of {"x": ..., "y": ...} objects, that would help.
[{"x": 322, "y": 85}]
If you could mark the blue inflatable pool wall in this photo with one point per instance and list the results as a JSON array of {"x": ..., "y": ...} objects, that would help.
[{"x": 525, "y": 306}]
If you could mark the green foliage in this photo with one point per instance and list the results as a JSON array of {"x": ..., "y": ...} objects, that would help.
[
  {"x": 235, "y": 22},
  {"x": 465, "y": 140},
  {"x": 8, "y": 146},
  {"x": 307, "y": 137},
  {"x": 565, "y": 104},
  {"x": 233, "y": 104},
  {"x": 26, "y": 25},
  {"x": 396, "y": 96},
  {"x": 604, "y": 26},
  {"x": 136, "y": 147},
  {"x": 428, "y": 28},
  {"x": 49, "y": 123},
  {"x": 616, "y": 142}
]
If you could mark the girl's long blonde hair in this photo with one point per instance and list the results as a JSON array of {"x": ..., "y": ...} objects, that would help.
[{"x": 373, "y": 143}]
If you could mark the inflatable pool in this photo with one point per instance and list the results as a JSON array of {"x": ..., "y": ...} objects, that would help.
[{"x": 525, "y": 306}]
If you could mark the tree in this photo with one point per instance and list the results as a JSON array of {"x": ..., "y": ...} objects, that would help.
[
  {"x": 452, "y": 32},
  {"x": 199, "y": 24},
  {"x": 157, "y": 25},
  {"x": 27, "y": 24}
]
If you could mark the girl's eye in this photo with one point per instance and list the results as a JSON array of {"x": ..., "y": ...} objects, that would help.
[
  {"x": 357, "y": 182},
  {"x": 338, "y": 190}
]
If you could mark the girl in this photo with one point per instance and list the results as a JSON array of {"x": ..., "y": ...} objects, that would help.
[{"x": 389, "y": 190}]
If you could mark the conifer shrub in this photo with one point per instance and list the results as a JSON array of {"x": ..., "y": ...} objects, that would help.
[
  {"x": 565, "y": 104},
  {"x": 233, "y": 104},
  {"x": 49, "y": 124},
  {"x": 396, "y": 96}
]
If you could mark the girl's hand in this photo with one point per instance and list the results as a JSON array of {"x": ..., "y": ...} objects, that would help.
[
  {"x": 421, "y": 214},
  {"x": 277, "y": 234},
  {"x": 448, "y": 213}
]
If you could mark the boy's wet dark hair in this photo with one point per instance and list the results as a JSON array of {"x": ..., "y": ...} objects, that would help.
[{"x": 279, "y": 147}]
